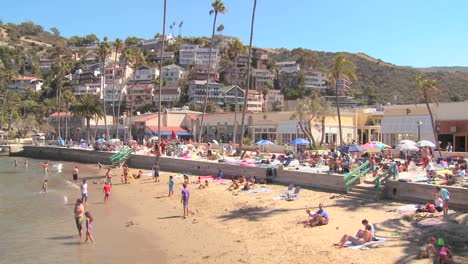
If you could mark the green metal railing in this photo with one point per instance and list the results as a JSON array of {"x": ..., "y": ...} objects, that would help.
[
  {"x": 361, "y": 171},
  {"x": 392, "y": 171}
]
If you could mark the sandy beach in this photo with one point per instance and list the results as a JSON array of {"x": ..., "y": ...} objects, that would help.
[{"x": 143, "y": 224}]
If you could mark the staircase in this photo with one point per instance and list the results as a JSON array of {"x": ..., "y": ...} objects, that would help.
[{"x": 365, "y": 191}]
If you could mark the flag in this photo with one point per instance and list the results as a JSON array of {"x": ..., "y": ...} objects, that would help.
[{"x": 318, "y": 128}]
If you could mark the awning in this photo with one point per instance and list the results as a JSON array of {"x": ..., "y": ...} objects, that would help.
[
  {"x": 287, "y": 126},
  {"x": 406, "y": 124}
]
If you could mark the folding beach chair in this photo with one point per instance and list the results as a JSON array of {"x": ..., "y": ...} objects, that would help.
[
  {"x": 293, "y": 196},
  {"x": 290, "y": 188}
]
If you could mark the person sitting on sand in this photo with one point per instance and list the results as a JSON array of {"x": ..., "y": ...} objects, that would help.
[
  {"x": 242, "y": 179},
  {"x": 246, "y": 186},
  {"x": 198, "y": 180},
  {"x": 138, "y": 176},
  {"x": 430, "y": 249},
  {"x": 445, "y": 255},
  {"x": 365, "y": 223},
  {"x": 234, "y": 185},
  {"x": 203, "y": 185},
  {"x": 362, "y": 237},
  {"x": 318, "y": 218}
]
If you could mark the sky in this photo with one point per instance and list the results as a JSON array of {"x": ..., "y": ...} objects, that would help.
[{"x": 418, "y": 33}]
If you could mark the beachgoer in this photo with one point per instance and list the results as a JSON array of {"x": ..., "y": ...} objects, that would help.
[
  {"x": 234, "y": 185},
  {"x": 44, "y": 186},
  {"x": 318, "y": 218},
  {"x": 89, "y": 227},
  {"x": 75, "y": 174},
  {"x": 125, "y": 173},
  {"x": 84, "y": 192},
  {"x": 109, "y": 176},
  {"x": 45, "y": 165},
  {"x": 186, "y": 179},
  {"x": 220, "y": 174},
  {"x": 365, "y": 223},
  {"x": 209, "y": 151},
  {"x": 99, "y": 165},
  {"x": 439, "y": 204},
  {"x": 16, "y": 163},
  {"x": 79, "y": 217},
  {"x": 26, "y": 163},
  {"x": 445, "y": 255},
  {"x": 429, "y": 250},
  {"x": 203, "y": 185},
  {"x": 107, "y": 190},
  {"x": 449, "y": 147},
  {"x": 171, "y": 185},
  {"x": 444, "y": 194},
  {"x": 362, "y": 237},
  {"x": 139, "y": 175},
  {"x": 184, "y": 199},
  {"x": 155, "y": 170}
]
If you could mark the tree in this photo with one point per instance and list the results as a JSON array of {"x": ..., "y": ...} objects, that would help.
[
  {"x": 341, "y": 69},
  {"x": 181, "y": 23},
  {"x": 220, "y": 29},
  {"x": 88, "y": 106},
  {"x": 278, "y": 106},
  {"x": 428, "y": 91},
  {"x": 244, "y": 109},
  {"x": 264, "y": 91},
  {"x": 69, "y": 99},
  {"x": 55, "y": 31},
  {"x": 236, "y": 48},
  {"x": 118, "y": 46},
  {"x": 104, "y": 50},
  {"x": 218, "y": 8},
  {"x": 134, "y": 56}
]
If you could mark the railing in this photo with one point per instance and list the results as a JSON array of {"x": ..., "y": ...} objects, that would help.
[
  {"x": 392, "y": 171},
  {"x": 360, "y": 171}
]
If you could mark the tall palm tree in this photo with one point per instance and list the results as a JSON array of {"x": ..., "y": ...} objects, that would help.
[
  {"x": 88, "y": 106},
  {"x": 104, "y": 50},
  {"x": 119, "y": 45},
  {"x": 343, "y": 69},
  {"x": 244, "y": 108},
  {"x": 220, "y": 29},
  {"x": 160, "y": 72},
  {"x": 236, "y": 47},
  {"x": 218, "y": 8},
  {"x": 428, "y": 91},
  {"x": 181, "y": 23},
  {"x": 69, "y": 99},
  {"x": 134, "y": 56}
]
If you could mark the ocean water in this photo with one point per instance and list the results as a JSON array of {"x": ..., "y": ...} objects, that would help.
[{"x": 35, "y": 227}]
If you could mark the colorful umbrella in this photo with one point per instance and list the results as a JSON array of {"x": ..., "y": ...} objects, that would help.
[
  {"x": 425, "y": 143},
  {"x": 352, "y": 148},
  {"x": 300, "y": 141},
  {"x": 264, "y": 142},
  {"x": 381, "y": 145}
]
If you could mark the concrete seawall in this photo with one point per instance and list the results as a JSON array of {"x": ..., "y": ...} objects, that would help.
[{"x": 415, "y": 192}]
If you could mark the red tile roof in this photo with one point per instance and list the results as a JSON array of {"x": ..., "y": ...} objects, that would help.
[
  {"x": 61, "y": 114},
  {"x": 167, "y": 129},
  {"x": 27, "y": 78},
  {"x": 144, "y": 118}
]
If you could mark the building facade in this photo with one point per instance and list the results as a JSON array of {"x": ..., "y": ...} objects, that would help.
[{"x": 195, "y": 55}]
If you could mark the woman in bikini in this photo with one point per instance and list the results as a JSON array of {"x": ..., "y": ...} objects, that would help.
[{"x": 362, "y": 237}]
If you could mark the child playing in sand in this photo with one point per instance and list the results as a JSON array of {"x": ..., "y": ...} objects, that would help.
[
  {"x": 203, "y": 186},
  {"x": 89, "y": 227},
  {"x": 171, "y": 185},
  {"x": 445, "y": 255},
  {"x": 429, "y": 250},
  {"x": 106, "y": 189}
]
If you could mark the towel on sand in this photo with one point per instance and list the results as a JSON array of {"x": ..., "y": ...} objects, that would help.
[
  {"x": 429, "y": 222},
  {"x": 366, "y": 245},
  {"x": 259, "y": 190},
  {"x": 409, "y": 208}
]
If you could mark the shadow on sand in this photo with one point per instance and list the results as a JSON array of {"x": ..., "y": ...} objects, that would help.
[
  {"x": 254, "y": 213},
  {"x": 61, "y": 237}
]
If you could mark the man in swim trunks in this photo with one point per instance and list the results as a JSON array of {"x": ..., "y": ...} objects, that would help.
[
  {"x": 75, "y": 174},
  {"x": 362, "y": 237},
  {"x": 79, "y": 217}
]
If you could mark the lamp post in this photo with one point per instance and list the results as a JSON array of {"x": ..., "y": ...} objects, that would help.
[{"x": 419, "y": 123}]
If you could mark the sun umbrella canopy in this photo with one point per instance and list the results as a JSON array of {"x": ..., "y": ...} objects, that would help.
[
  {"x": 154, "y": 138},
  {"x": 264, "y": 142},
  {"x": 407, "y": 142},
  {"x": 352, "y": 148},
  {"x": 113, "y": 140},
  {"x": 101, "y": 140},
  {"x": 381, "y": 145},
  {"x": 425, "y": 143},
  {"x": 407, "y": 147},
  {"x": 300, "y": 141}
]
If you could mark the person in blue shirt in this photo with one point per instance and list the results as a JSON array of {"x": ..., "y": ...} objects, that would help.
[
  {"x": 171, "y": 186},
  {"x": 318, "y": 218},
  {"x": 220, "y": 174},
  {"x": 444, "y": 194}
]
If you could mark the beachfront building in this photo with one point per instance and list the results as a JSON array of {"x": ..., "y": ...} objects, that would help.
[
  {"x": 87, "y": 82},
  {"x": 169, "y": 94},
  {"x": 197, "y": 91},
  {"x": 262, "y": 78},
  {"x": 288, "y": 66},
  {"x": 173, "y": 74},
  {"x": 77, "y": 125},
  {"x": 139, "y": 94},
  {"x": 200, "y": 72},
  {"x": 315, "y": 80},
  {"x": 22, "y": 84},
  {"x": 194, "y": 55}
]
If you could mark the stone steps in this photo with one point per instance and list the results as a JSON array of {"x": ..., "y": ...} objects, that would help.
[{"x": 363, "y": 191}]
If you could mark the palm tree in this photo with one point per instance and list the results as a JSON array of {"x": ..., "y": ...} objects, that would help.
[
  {"x": 69, "y": 99},
  {"x": 134, "y": 56},
  {"x": 119, "y": 46},
  {"x": 88, "y": 106},
  {"x": 244, "y": 108},
  {"x": 236, "y": 47},
  {"x": 160, "y": 82},
  {"x": 341, "y": 69},
  {"x": 220, "y": 29},
  {"x": 428, "y": 91},
  {"x": 104, "y": 51},
  {"x": 264, "y": 91},
  {"x": 218, "y": 8},
  {"x": 181, "y": 23}
]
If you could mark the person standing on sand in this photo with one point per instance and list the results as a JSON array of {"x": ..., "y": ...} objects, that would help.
[
  {"x": 75, "y": 174},
  {"x": 44, "y": 186},
  {"x": 444, "y": 194},
  {"x": 184, "y": 199},
  {"x": 45, "y": 165},
  {"x": 16, "y": 163},
  {"x": 171, "y": 186},
  {"x": 84, "y": 192},
  {"x": 109, "y": 176},
  {"x": 79, "y": 217},
  {"x": 125, "y": 173},
  {"x": 155, "y": 170},
  {"x": 89, "y": 227},
  {"x": 26, "y": 163},
  {"x": 107, "y": 189}
]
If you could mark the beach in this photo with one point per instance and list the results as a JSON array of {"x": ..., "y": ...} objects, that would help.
[{"x": 142, "y": 224}]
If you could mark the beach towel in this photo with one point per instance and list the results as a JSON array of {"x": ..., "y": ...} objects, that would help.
[
  {"x": 429, "y": 222},
  {"x": 366, "y": 245},
  {"x": 206, "y": 177},
  {"x": 278, "y": 198},
  {"x": 406, "y": 209},
  {"x": 259, "y": 190}
]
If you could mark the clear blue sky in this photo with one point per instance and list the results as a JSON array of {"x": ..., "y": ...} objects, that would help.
[{"x": 417, "y": 33}]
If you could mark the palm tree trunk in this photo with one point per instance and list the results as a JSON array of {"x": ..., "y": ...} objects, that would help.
[
  {"x": 66, "y": 121},
  {"x": 59, "y": 88},
  {"x": 244, "y": 108},
  {"x": 434, "y": 129},
  {"x": 234, "y": 129},
  {"x": 103, "y": 79},
  {"x": 113, "y": 95},
  {"x": 88, "y": 129},
  {"x": 323, "y": 131},
  {"x": 205, "y": 104},
  {"x": 339, "y": 115},
  {"x": 160, "y": 75},
  {"x": 131, "y": 105},
  {"x": 118, "y": 114}
]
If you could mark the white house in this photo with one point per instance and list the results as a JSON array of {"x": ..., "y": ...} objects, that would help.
[
  {"x": 195, "y": 55},
  {"x": 288, "y": 66},
  {"x": 145, "y": 73},
  {"x": 197, "y": 91},
  {"x": 315, "y": 80},
  {"x": 22, "y": 83},
  {"x": 172, "y": 74},
  {"x": 168, "y": 94}
]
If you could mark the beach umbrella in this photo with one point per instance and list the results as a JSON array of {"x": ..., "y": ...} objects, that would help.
[
  {"x": 425, "y": 143},
  {"x": 300, "y": 141},
  {"x": 380, "y": 145},
  {"x": 407, "y": 146},
  {"x": 154, "y": 138},
  {"x": 264, "y": 142},
  {"x": 215, "y": 141},
  {"x": 407, "y": 141},
  {"x": 114, "y": 140},
  {"x": 101, "y": 140},
  {"x": 352, "y": 148}
]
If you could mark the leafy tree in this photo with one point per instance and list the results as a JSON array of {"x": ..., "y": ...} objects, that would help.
[
  {"x": 278, "y": 106},
  {"x": 428, "y": 91},
  {"x": 119, "y": 47},
  {"x": 88, "y": 106},
  {"x": 104, "y": 51},
  {"x": 69, "y": 99},
  {"x": 55, "y": 31},
  {"x": 25, "y": 124},
  {"x": 342, "y": 68},
  {"x": 218, "y": 8}
]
